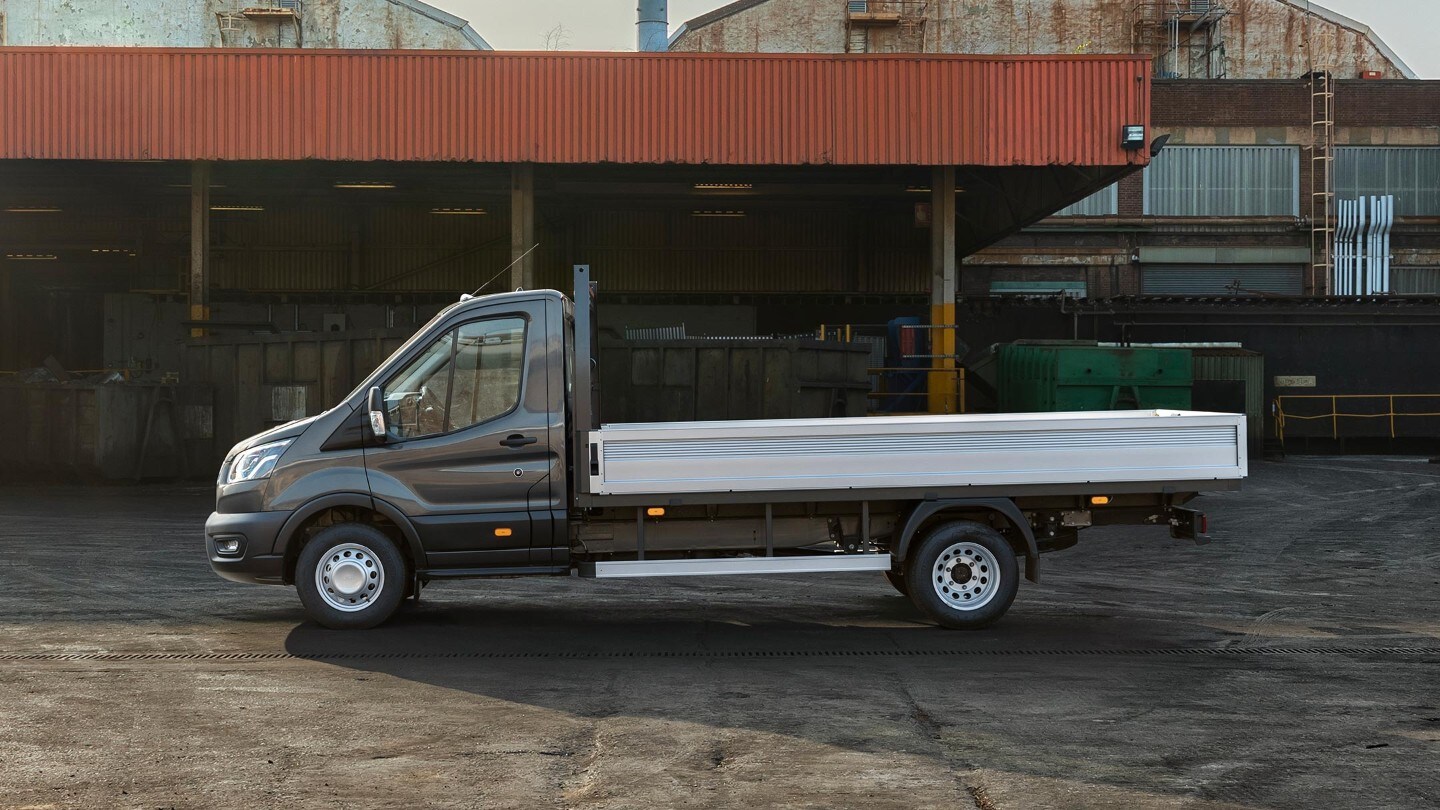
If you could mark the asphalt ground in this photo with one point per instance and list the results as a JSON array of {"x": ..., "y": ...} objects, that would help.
[{"x": 1293, "y": 662}]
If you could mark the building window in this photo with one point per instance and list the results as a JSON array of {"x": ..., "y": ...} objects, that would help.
[
  {"x": 1415, "y": 280},
  {"x": 1410, "y": 173},
  {"x": 1103, "y": 203},
  {"x": 1224, "y": 181}
]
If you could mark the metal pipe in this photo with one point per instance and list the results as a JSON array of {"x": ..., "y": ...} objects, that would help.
[
  {"x": 652, "y": 27},
  {"x": 1389, "y": 220}
]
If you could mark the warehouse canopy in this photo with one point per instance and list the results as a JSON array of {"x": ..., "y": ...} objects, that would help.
[
  {"x": 745, "y": 109},
  {"x": 1029, "y": 134}
]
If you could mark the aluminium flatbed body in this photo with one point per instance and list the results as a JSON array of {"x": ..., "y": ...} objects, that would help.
[{"x": 950, "y": 455}]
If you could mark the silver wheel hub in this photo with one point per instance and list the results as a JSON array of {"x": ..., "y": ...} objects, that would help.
[
  {"x": 966, "y": 576},
  {"x": 349, "y": 577}
]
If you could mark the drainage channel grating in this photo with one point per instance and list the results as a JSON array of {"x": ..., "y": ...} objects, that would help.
[{"x": 713, "y": 654}]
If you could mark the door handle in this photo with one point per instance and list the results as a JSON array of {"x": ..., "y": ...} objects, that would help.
[{"x": 518, "y": 440}]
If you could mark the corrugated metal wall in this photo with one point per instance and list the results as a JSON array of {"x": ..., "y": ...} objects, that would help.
[
  {"x": 1195, "y": 181},
  {"x": 309, "y": 248},
  {"x": 794, "y": 250},
  {"x": 776, "y": 250},
  {"x": 1415, "y": 280},
  {"x": 743, "y": 109},
  {"x": 1411, "y": 173},
  {"x": 1238, "y": 364},
  {"x": 1105, "y": 202},
  {"x": 1218, "y": 280},
  {"x": 261, "y": 381}
]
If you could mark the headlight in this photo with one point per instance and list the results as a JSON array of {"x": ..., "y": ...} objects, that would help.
[{"x": 257, "y": 462}]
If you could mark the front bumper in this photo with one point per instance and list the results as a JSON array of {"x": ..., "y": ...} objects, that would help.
[{"x": 254, "y": 563}]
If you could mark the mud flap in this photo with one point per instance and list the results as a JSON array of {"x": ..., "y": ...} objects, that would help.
[{"x": 1188, "y": 524}]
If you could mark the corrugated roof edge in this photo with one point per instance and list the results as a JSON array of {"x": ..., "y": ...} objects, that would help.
[
  {"x": 720, "y": 14},
  {"x": 1357, "y": 26},
  {"x": 446, "y": 18}
]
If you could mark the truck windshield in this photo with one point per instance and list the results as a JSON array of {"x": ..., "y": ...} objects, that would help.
[{"x": 471, "y": 374}]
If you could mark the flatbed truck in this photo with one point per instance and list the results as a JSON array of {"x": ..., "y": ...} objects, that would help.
[{"x": 476, "y": 450}]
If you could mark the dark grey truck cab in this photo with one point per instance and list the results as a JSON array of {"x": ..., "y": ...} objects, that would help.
[
  {"x": 466, "y": 480},
  {"x": 475, "y": 450}
]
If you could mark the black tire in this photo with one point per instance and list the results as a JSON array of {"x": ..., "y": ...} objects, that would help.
[
  {"x": 897, "y": 581},
  {"x": 368, "y": 561},
  {"x": 962, "y": 548}
]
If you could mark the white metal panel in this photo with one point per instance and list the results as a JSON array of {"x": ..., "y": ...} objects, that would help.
[
  {"x": 828, "y": 563},
  {"x": 931, "y": 452}
]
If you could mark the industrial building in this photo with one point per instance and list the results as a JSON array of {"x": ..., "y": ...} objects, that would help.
[
  {"x": 1190, "y": 39},
  {"x": 1276, "y": 111},
  {"x": 181, "y": 217},
  {"x": 386, "y": 24},
  {"x": 1293, "y": 207}
]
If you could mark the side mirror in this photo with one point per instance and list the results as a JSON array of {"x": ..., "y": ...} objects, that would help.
[{"x": 377, "y": 414}]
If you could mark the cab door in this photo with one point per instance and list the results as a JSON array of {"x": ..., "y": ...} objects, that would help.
[{"x": 468, "y": 442}]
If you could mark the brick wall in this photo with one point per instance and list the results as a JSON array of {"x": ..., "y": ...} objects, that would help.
[{"x": 1281, "y": 103}]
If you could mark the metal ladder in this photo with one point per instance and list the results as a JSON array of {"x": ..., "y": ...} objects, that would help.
[{"x": 1322, "y": 185}]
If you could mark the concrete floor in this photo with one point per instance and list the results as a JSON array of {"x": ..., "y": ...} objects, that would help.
[{"x": 1294, "y": 662}]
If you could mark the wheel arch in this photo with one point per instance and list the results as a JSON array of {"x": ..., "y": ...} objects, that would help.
[
  {"x": 301, "y": 518},
  {"x": 926, "y": 511}
]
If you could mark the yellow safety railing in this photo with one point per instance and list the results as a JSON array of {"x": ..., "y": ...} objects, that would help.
[
  {"x": 951, "y": 399},
  {"x": 1385, "y": 408},
  {"x": 923, "y": 395}
]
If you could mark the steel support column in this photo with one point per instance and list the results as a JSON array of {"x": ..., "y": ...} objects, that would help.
[
  {"x": 943, "y": 284},
  {"x": 522, "y": 225},
  {"x": 8, "y": 359},
  {"x": 199, "y": 244}
]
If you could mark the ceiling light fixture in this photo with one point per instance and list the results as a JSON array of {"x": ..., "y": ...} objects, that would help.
[
  {"x": 460, "y": 212},
  {"x": 724, "y": 186},
  {"x": 365, "y": 184},
  {"x": 33, "y": 209},
  {"x": 724, "y": 214},
  {"x": 237, "y": 208},
  {"x": 31, "y": 257}
]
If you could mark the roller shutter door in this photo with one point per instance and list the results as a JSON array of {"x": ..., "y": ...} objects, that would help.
[{"x": 1221, "y": 279}]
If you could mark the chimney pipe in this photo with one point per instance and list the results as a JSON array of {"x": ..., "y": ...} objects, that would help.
[{"x": 653, "y": 32}]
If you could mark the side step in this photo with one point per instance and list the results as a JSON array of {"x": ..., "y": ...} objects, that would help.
[{"x": 832, "y": 563}]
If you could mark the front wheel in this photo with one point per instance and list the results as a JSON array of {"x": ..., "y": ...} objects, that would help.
[
  {"x": 350, "y": 576},
  {"x": 963, "y": 574}
]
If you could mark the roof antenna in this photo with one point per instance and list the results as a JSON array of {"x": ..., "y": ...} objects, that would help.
[{"x": 470, "y": 296}]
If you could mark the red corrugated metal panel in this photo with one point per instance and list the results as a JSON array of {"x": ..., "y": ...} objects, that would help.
[{"x": 737, "y": 109}]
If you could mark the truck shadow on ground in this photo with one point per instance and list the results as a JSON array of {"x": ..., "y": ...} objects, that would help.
[{"x": 873, "y": 678}]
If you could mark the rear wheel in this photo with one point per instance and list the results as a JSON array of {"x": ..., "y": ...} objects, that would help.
[
  {"x": 351, "y": 576},
  {"x": 963, "y": 574}
]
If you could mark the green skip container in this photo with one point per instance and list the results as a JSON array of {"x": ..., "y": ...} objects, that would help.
[{"x": 1045, "y": 376}]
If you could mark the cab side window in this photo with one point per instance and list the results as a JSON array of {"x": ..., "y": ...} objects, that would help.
[{"x": 470, "y": 375}]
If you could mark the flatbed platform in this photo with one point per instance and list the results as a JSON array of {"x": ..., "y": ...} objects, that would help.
[{"x": 918, "y": 452}]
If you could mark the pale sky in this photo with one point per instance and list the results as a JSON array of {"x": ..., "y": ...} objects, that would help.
[{"x": 1408, "y": 26}]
